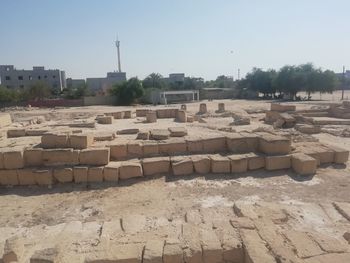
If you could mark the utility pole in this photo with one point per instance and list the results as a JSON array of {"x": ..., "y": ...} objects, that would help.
[
  {"x": 117, "y": 44},
  {"x": 343, "y": 84}
]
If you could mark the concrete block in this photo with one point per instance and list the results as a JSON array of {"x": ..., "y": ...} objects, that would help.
[
  {"x": 43, "y": 176},
  {"x": 54, "y": 157},
  {"x": 111, "y": 172},
  {"x": 13, "y": 133},
  {"x": 8, "y": 177},
  {"x": 159, "y": 134},
  {"x": 242, "y": 142},
  {"x": 214, "y": 144},
  {"x": 181, "y": 165},
  {"x": 156, "y": 165},
  {"x": 201, "y": 164},
  {"x": 119, "y": 150},
  {"x": 220, "y": 164},
  {"x": 81, "y": 141},
  {"x": 95, "y": 174},
  {"x": 130, "y": 169},
  {"x": 134, "y": 149},
  {"x": 26, "y": 176},
  {"x": 13, "y": 159},
  {"x": 63, "y": 175},
  {"x": 151, "y": 116},
  {"x": 181, "y": 116},
  {"x": 195, "y": 145},
  {"x": 274, "y": 144},
  {"x": 239, "y": 163},
  {"x": 94, "y": 156},
  {"x": 303, "y": 164},
  {"x": 105, "y": 120},
  {"x": 173, "y": 146},
  {"x": 33, "y": 157},
  {"x": 177, "y": 131},
  {"x": 278, "y": 162},
  {"x": 150, "y": 148},
  {"x": 255, "y": 161},
  {"x": 80, "y": 174}
]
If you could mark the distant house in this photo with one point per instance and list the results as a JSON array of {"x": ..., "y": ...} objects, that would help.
[{"x": 102, "y": 85}]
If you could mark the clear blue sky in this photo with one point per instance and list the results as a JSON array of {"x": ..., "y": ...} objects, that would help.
[{"x": 191, "y": 36}]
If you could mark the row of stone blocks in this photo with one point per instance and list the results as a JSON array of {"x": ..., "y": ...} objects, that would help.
[
  {"x": 120, "y": 114},
  {"x": 301, "y": 163},
  {"x": 67, "y": 140}
]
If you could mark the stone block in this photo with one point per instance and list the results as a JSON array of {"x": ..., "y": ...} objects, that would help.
[
  {"x": 130, "y": 169},
  {"x": 61, "y": 140},
  {"x": 166, "y": 113},
  {"x": 43, "y": 177},
  {"x": 220, "y": 164},
  {"x": 181, "y": 116},
  {"x": 105, "y": 120},
  {"x": 192, "y": 245},
  {"x": 63, "y": 175},
  {"x": 201, "y": 164},
  {"x": 36, "y": 132},
  {"x": 308, "y": 129},
  {"x": 177, "y": 131},
  {"x": 242, "y": 142},
  {"x": 26, "y": 177},
  {"x": 159, "y": 134},
  {"x": 172, "y": 253},
  {"x": 214, "y": 145},
  {"x": 202, "y": 108},
  {"x": 5, "y": 120},
  {"x": 54, "y": 157},
  {"x": 211, "y": 246},
  {"x": 277, "y": 162},
  {"x": 13, "y": 159},
  {"x": 81, "y": 141},
  {"x": 134, "y": 149},
  {"x": 141, "y": 112},
  {"x": 8, "y": 177},
  {"x": 151, "y": 116},
  {"x": 127, "y": 114},
  {"x": 173, "y": 146},
  {"x": 128, "y": 131},
  {"x": 48, "y": 140},
  {"x": 282, "y": 107},
  {"x": 221, "y": 107},
  {"x": 119, "y": 150},
  {"x": 47, "y": 255},
  {"x": 274, "y": 144},
  {"x": 181, "y": 165},
  {"x": 104, "y": 136},
  {"x": 14, "y": 250},
  {"x": 156, "y": 165},
  {"x": 340, "y": 155},
  {"x": 153, "y": 252},
  {"x": 239, "y": 163},
  {"x": 13, "y": 133},
  {"x": 255, "y": 161},
  {"x": 303, "y": 164},
  {"x": 150, "y": 148},
  {"x": 195, "y": 145},
  {"x": 111, "y": 172},
  {"x": 1, "y": 160},
  {"x": 94, "y": 156},
  {"x": 190, "y": 119},
  {"x": 119, "y": 115},
  {"x": 95, "y": 174},
  {"x": 33, "y": 157},
  {"x": 143, "y": 135},
  {"x": 80, "y": 174},
  {"x": 321, "y": 153}
]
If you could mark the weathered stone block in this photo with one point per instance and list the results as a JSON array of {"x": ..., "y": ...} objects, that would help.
[
  {"x": 61, "y": 140},
  {"x": 81, "y": 141},
  {"x": 202, "y": 108},
  {"x": 105, "y": 120},
  {"x": 220, "y": 164},
  {"x": 277, "y": 162},
  {"x": 172, "y": 253},
  {"x": 182, "y": 165},
  {"x": 135, "y": 149},
  {"x": 150, "y": 148},
  {"x": 274, "y": 144},
  {"x": 5, "y": 120},
  {"x": 190, "y": 119},
  {"x": 36, "y": 132},
  {"x": 12, "y": 133},
  {"x": 242, "y": 142},
  {"x": 128, "y": 131},
  {"x": 119, "y": 150},
  {"x": 255, "y": 161},
  {"x": 156, "y": 165},
  {"x": 33, "y": 157},
  {"x": 26, "y": 176},
  {"x": 239, "y": 163},
  {"x": 48, "y": 140},
  {"x": 159, "y": 134},
  {"x": 177, "y": 131},
  {"x": 201, "y": 164},
  {"x": 94, "y": 156},
  {"x": 214, "y": 145},
  {"x": 14, "y": 250},
  {"x": 95, "y": 174},
  {"x": 111, "y": 172},
  {"x": 181, "y": 116},
  {"x": 80, "y": 174},
  {"x": 282, "y": 107},
  {"x": 43, "y": 176},
  {"x": 153, "y": 252},
  {"x": 53, "y": 157},
  {"x": 303, "y": 164},
  {"x": 221, "y": 107},
  {"x": 173, "y": 146},
  {"x": 63, "y": 175},
  {"x": 47, "y": 255},
  {"x": 130, "y": 169},
  {"x": 340, "y": 155},
  {"x": 151, "y": 116},
  {"x": 211, "y": 246},
  {"x": 141, "y": 112},
  {"x": 195, "y": 145},
  {"x": 8, "y": 177},
  {"x": 142, "y": 135},
  {"x": 127, "y": 114},
  {"x": 13, "y": 159}
]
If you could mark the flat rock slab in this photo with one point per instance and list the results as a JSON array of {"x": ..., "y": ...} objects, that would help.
[
  {"x": 128, "y": 131},
  {"x": 177, "y": 131},
  {"x": 159, "y": 134}
]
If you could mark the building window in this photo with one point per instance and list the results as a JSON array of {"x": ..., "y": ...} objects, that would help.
[
  {"x": 7, "y": 78},
  {"x": 30, "y": 77},
  {"x": 53, "y": 77},
  {"x": 20, "y": 77}
]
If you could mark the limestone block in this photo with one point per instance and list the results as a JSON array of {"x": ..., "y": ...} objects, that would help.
[
  {"x": 61, "y": 140},
  {"x": 172, "y": 253},
  {"x": 221, "y": 107},
  {"x": 255, "y": 161},
  {"x": 63, "y": 175},
  {"x": 282, "y": 107},
  {"x": 192, "y": 245},
  {"x": 202, "y": 108},
  {"x": 8, "y": 177},
  {"x": 119, "y": 150},
  {"x": 308, "y": 129},
  {"x": 303, "y": 164},
  {"x": 151, "y": 116},
  {"x": 150, "y": 148},
  {"x": 173, "y": 146},
  {"x": 211, "y": 246},
  {"x": 242, "y": 142},
  {"x": 340, "y": 155},
  {"x": 13, "y": 159},
  {"x": 214, "y": 144},
  {"x": 111, "y": 172},
  {"x": 181, "y": 116},
  {"x": 190, "y": 119},
  {"x": 128, "y": 131},
  {"x": 14, "y": 250},
  {"x": 239, "y": 163},
  {"x": 80, "y": 174},
  {"x": 119, "y": 115},
  {"x": 201, "y": 164},
  {"x": 166, "y": 113},
  {"x": 48, "y": 140},
  {"x": 143, "y": 135},
  {"x": 195, "y": 145},
  {"x": 156, "y": 165},
  {"x": 81, "y": 141},
  {"x": 153, "y": 252},
  {"x": 127, "y": 114},
  {"x": 47, "y": 255},
  {"x": 274, "y": 144},
  {"x": 104, "y": 136},
  {"x": 220, "y": 164},
  {"x": 105, "y": 120},
  {"x": 182, "y": 165},
  {"x": 12, "y": 133},
  {"x": 141, "y": 112},
  {"x": 95, "y": 174},
  {"x": 159, "y": 134},
  {"x": 130, "y": 169},
  {"x": 134, "y": 149},
  {"x": 321, "y": 153},
  {"x": 94, "y": 156},
  {"x": 43, "y": 176},
  {"x": 54, "y": 157},
  {"x": 33, "y": 157},
  {"x": 177, "y": 131},
  {"x": 5, "y": 120},
  {"x": 26, "y": 177},
  {"x": 277, "y": 162}
]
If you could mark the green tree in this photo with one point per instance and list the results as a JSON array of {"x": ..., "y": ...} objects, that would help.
[
  {"x": 39, "y": 91},
  {"x": 261, "y": 81},
  {"x": 154, "y": 80},
  {"x": 128, "y": 92}
]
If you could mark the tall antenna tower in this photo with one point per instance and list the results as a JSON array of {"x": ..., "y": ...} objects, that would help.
[{"x": 117, "y": 44}]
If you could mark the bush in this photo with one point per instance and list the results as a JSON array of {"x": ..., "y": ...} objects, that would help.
[{"x": 128, "y": 92}]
